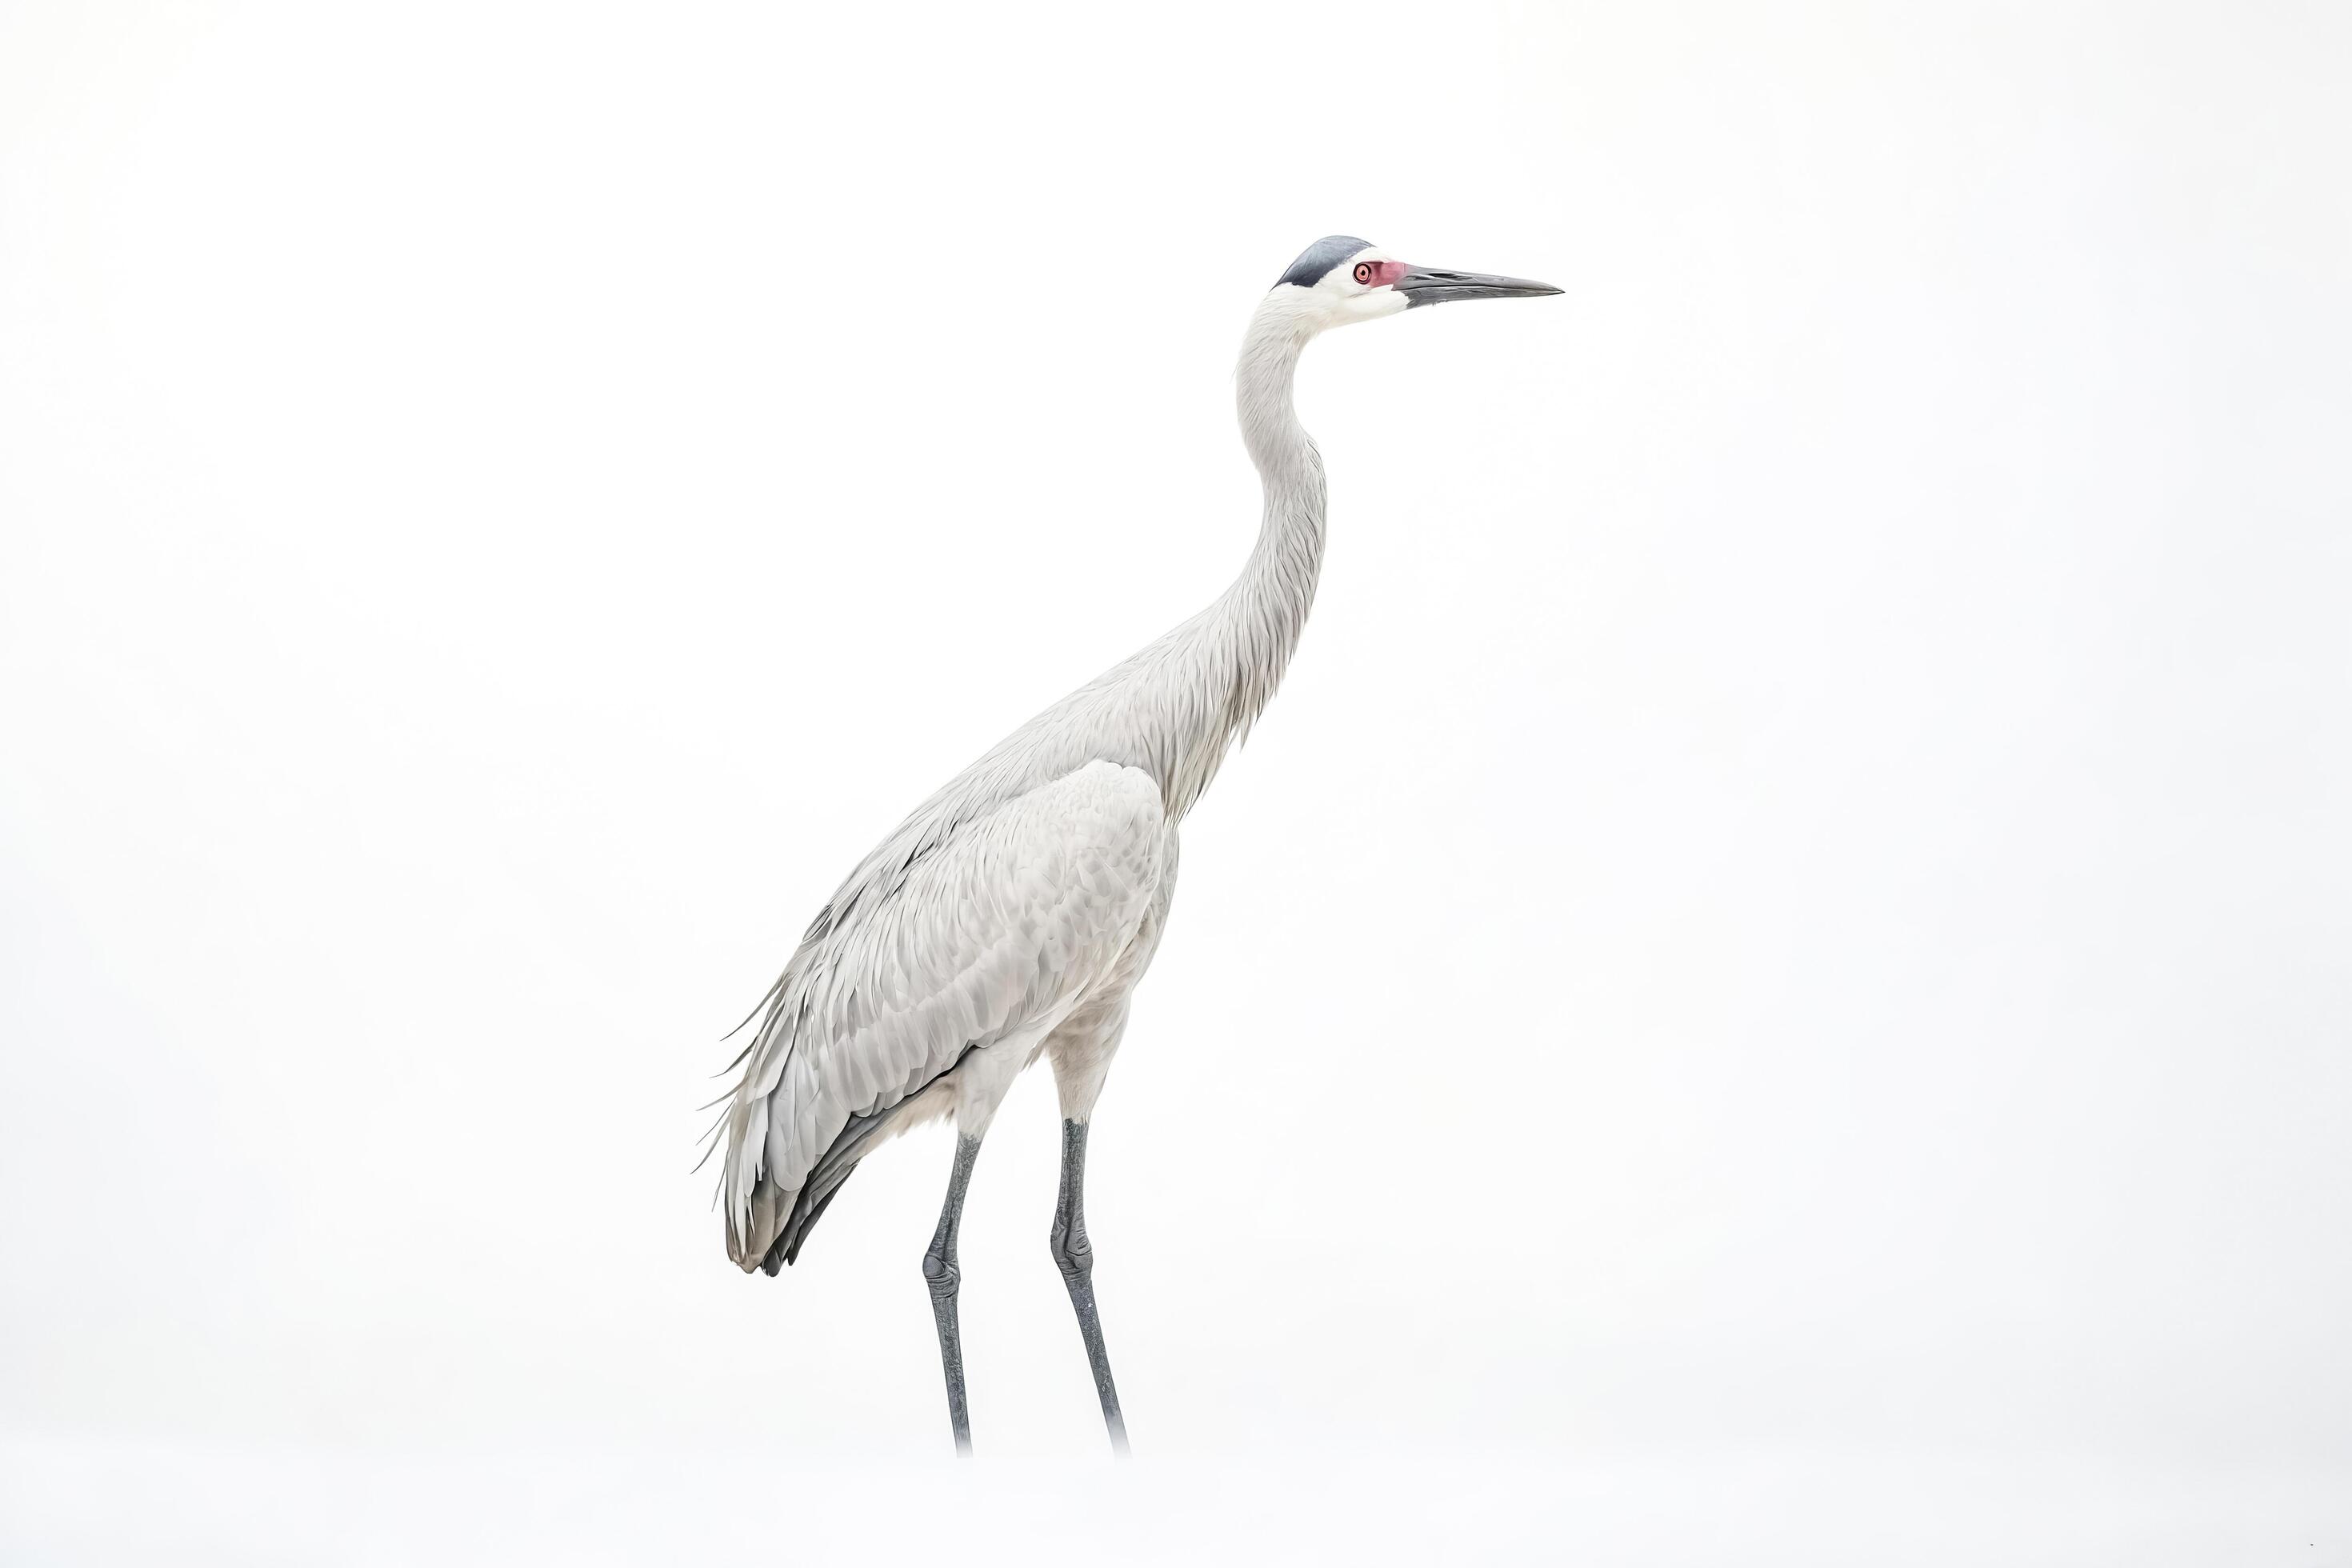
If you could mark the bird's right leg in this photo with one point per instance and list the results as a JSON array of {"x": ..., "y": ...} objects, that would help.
[
  {"x": 1074, "y": 1255},
  {"x": 940, "y": 1274},
  {"x": 1081, "y": 1058}
]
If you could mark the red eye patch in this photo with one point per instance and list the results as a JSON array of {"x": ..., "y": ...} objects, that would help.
[{"x": 1374, "y": 274}]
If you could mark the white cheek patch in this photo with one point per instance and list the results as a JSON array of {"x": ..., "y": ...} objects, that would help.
[
  {"x": 1341, "y": 279},
  {"x": 1354, "y": 301}
]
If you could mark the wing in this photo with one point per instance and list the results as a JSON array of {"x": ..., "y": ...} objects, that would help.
[{"x": 999, "y": 925}]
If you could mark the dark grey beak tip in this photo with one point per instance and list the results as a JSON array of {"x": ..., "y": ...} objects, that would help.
[{"x": 1433, "y": 286}]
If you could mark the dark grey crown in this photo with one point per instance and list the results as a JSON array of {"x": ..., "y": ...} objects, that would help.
[{"x": 1320, "y": 257}]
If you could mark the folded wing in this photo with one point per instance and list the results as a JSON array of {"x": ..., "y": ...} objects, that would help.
[{"x": 998, "y": 925}]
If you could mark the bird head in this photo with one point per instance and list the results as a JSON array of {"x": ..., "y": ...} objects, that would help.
[{"x": 1339, "y": 280}]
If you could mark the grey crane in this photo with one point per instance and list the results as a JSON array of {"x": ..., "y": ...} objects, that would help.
[{"x": 1011, "y": 913}]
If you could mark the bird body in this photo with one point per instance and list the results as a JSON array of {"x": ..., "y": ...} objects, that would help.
[
  {"x": 941, "y": 979},
  {"x": 1012, "y": 913},
  {"x": 896, "y": 980}
]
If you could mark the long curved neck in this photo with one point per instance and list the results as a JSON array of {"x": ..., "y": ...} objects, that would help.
[
  {"x": 1233, "y": 655},
  {"x": 1265, "y": 610}
]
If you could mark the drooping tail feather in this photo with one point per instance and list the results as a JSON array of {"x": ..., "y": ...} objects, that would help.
[{"x": 756, "y": 1206}]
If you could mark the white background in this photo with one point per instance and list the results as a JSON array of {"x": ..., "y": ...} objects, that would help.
[{"x": 1772, "y": 989}]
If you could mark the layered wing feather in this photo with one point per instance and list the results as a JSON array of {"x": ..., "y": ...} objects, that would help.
[{"x": 993, "y": 925}]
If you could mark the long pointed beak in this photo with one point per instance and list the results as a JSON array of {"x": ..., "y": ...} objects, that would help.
[{"x": 1429, "y": 286}]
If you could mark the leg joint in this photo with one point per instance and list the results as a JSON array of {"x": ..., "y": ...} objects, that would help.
[
  {"x": 1074, "y": 1255},
  {"x": 941, "y": 1273}
]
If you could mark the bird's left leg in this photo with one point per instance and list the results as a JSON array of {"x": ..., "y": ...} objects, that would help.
[
  {"x": 942, "y": 1276},
  {"x": 978, "y": 1086}
]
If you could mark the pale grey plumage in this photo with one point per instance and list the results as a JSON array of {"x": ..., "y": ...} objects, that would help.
[
  {"x": 1169, "y": 712},
  {"x": 1011, "y": 913}
]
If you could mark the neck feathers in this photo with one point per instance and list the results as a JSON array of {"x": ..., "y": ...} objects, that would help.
[
  {"x": 1267, "y": 604},
  {"x": 1241, "y": 643}
]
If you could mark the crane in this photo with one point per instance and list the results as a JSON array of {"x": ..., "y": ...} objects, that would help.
[{"x": 1011, "y": 913}]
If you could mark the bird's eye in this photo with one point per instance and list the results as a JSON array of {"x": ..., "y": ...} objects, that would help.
[{"x": 1363, "y": 272}]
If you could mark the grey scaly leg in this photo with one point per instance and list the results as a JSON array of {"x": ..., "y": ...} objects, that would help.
[
  {"x": 1076, "y": 1258},
  {"x": 940, "y": 1272}
]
